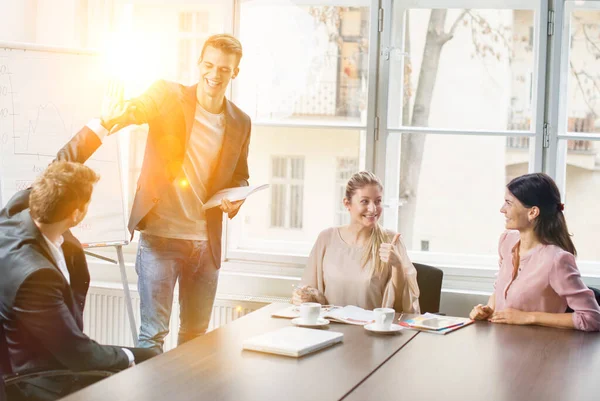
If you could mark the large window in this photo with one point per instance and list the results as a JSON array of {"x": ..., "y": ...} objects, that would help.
[
  {"x": 446, "y": 100},
  {"x": 461, "y": 86},
  {"x": 304, "y": 80},
  {"x": 460, "y": 106}
]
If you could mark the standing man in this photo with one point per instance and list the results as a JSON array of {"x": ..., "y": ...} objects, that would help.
[{"x": 197, "y": 145}]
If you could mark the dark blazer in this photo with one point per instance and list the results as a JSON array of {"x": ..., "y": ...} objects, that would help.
[
  {"x": 169, "y": 110},
  {"x": 41, "y": 314}
]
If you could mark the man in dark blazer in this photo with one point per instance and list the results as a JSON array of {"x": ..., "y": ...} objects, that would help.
[
  {"x": 44, "y": 283},
  {"x": 197, "y": 145}
]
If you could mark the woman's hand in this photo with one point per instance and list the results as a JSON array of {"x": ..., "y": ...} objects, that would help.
[
  {"x": 393, "y": 253},
  {"x": 305, "y": 294},
  {"x": 512, "y": 316},
  {"x": 481, "y": 312}
]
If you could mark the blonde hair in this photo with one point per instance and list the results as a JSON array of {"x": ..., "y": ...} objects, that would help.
[
  {"x": 378, "y": 236},
  {"x": 225, "y": 42},
  {"x": 60, "y": 189}
]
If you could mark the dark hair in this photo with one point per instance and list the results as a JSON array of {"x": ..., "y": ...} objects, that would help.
[
  {"x": 538, "y": 189},
  {"x": 61, "y": 189}
]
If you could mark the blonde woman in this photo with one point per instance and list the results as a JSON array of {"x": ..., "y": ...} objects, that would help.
[{"x": 360, "y": 264}]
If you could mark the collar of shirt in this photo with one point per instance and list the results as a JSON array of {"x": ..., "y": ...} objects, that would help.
[{"x": 59, "y": 257}]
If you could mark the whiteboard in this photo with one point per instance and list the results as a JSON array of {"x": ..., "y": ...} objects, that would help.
[{"x": 46, "y": 96}]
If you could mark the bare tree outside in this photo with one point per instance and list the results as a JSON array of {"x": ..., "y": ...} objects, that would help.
[{"x": 490, "y": 40}]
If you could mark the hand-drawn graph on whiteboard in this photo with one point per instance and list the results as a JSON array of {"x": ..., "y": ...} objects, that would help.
[{"x": 46, "y": 96}]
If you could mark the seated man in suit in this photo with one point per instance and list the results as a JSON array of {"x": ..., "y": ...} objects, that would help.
[{"x": 44, "y": 283}]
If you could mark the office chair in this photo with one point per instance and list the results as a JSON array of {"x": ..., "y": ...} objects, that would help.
[
  {"x": 429, "y": 279},
  {"x": 8, "y": 378},
  {"x": 596, "y": 295}
]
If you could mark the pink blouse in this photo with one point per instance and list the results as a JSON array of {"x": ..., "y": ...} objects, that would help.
[{"x": 547, "y": 280}]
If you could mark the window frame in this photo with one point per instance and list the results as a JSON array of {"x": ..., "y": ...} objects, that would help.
[
  {"x": 463, "y": 272},
  {"x": 556, "y": 154},
  {"x": 391, "y": 136}
]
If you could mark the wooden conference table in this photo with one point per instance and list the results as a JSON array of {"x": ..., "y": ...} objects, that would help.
[
  {"x": 214, "y": 367},
  {"x": 491, "y": 362},
  {"x": 479, "y": 362}
]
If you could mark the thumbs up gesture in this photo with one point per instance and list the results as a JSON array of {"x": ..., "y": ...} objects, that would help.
[{"x": 388, "y": 252}]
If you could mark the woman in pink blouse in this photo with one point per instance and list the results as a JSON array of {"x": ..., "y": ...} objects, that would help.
[
  {"x": 538, "y": 277},
  {"x": 360, "y": 264}
]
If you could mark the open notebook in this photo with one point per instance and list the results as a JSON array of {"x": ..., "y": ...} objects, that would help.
[
  {"x": 293, "y": 341},
  {"x": 232, "y": 194},
  {"x": 347, "y": 314}
]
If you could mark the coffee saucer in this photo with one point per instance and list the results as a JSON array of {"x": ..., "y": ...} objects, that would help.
[
  {"x": 394, "y": 328},
  {"x": 319, "y": 323}
]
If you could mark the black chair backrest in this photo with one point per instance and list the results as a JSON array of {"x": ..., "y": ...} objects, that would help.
[
  {"x": 596, "y": 294},
  {"x": 429, "y": 279}
]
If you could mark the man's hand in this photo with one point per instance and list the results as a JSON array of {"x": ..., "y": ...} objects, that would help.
[
  {"x": 231, "y": 208},
  {"x": 117, "y": 113}
]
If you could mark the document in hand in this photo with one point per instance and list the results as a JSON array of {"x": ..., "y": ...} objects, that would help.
[
  {"x": 347, "y": 314},
  {"x": 293, "y": 341},
  {"x": 232, "y": 194},
  {"x": 437, "y": 324}
]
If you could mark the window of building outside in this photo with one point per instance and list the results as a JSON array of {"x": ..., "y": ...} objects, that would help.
[
  {"x": 287, "y": 192},
  {"x": 346, "y": 166}
]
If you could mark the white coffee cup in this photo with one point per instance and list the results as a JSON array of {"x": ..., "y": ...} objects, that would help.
[
  {"x": 309, "y": 312},
  {"x": 383, "y": 318}
]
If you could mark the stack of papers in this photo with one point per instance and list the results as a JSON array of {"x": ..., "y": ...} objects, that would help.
[{"x": 437, "y": 324}]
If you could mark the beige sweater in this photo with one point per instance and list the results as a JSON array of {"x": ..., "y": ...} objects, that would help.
[{"x": 335, "y": 268}]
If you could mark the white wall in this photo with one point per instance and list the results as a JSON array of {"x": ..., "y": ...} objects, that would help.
[{"x": 18, "y": 20}]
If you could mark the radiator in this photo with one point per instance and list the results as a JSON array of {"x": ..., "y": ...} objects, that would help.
[{"x": 105, "y": 315}]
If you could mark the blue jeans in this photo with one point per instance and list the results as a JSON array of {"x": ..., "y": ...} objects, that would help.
[{"x": 160, "y": 263}]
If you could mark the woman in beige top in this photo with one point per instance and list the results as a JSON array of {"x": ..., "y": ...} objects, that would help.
[{"x": 360, "y": 264}]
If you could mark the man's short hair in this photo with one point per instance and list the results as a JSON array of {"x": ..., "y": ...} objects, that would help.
[
  {"x": 61, "y": 189},
  {"x": 225, "y": 42}
]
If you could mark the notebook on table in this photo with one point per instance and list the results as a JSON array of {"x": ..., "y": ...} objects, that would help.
[
  {"x": 432, "y": 323},
  {"x": 293, "y": 341},
  {"x": 347, "y": 314}
]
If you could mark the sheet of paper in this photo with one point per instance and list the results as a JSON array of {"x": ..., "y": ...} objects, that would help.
[
  {"x": 232, "y": 194},
  {"x": 352, "y": 315}
]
